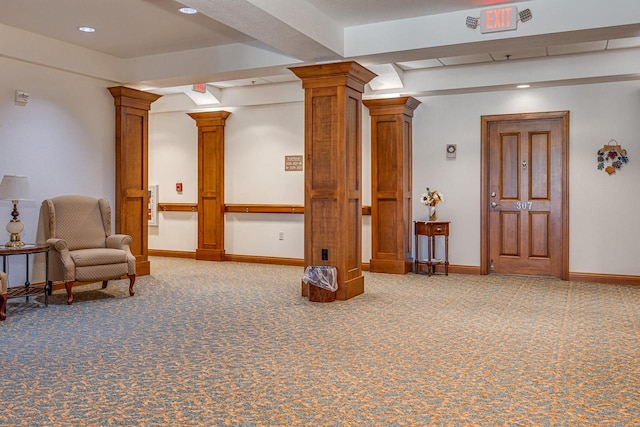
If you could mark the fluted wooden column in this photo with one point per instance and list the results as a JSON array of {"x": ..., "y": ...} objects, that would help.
[
  {"x": 391, "y": 225},
  {"x": 333, "y": 170},
  {"x": 132, "y": 169},
  {"x": 210, "y": 184}
]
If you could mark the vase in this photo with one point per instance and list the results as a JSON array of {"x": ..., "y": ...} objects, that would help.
[{"x": 433, "y": 215}]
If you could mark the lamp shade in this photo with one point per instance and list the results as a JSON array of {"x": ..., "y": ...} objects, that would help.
[{"x": 15, "y": 187}]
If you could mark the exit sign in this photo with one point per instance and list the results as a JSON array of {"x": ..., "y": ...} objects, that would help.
[{"x": 498, "y": 19}]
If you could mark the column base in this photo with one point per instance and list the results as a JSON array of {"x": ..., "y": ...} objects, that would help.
[
  {"x": 210, "y": 254},
  {"x": 143, "y": 268},
  {"x": 350, "y": 288},
  {"x": 391, "y": 266}
]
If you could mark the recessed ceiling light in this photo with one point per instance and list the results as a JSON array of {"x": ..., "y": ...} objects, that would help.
[
  {"x": 523, "y": 86},
  {"x": 188, "y": 10},
  {"x": 87, "y": 29}
]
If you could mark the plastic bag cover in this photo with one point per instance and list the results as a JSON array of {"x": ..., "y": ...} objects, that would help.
[{"x": 322, "y": 276}]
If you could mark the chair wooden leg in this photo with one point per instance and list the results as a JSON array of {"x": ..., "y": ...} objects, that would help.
[
  {"x": 104, "y": 284},
  {"x": 69, "y": 286},
  {"x": 132, "y": 280},
  {"x": 3, "y": 306}
]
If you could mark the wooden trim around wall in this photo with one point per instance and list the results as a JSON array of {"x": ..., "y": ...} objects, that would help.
[
  {"x": 612, "y": 279},
  {"x": 244, "y": 208},
  {"x": 172, "y": 254},
  {"x": 178, "y": 207},
  {"x": 461, "y": 269},
  {"x": 257, "y": 208},
  {"x": 298, "y": 262}
]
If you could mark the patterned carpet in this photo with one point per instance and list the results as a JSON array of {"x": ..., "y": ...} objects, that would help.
[{"x": 232, "y": 344}]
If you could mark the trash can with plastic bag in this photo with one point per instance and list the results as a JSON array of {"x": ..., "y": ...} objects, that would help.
[{"x": 322, "y": 281}]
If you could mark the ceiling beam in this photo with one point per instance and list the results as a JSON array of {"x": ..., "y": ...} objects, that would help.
[{"x": 303, "y": 31}]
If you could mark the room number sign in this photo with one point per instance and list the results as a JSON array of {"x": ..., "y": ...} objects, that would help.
[{"x": 525, "y": 206}]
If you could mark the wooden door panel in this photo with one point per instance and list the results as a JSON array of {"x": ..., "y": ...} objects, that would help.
[
  {"x": 539, "y": 234},
  {"x": 509, "y": 235},
  {"x": 539, "y": 159},
  {"x": 508, "y": 167}
]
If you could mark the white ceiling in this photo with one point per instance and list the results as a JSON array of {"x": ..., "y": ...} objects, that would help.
[
  {"x": 131, "y": 28},
  {"x": 302, "y": 29},
  {"x": 124, "y": 28}
]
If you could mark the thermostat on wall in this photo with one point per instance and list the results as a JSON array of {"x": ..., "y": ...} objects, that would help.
[{"x": 451, "y": 150}]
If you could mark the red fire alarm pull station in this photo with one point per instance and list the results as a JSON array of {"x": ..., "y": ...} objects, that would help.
[{"x": 179, "y": 187}]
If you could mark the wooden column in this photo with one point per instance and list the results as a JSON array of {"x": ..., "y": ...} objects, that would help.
[
  {"x": 391, "y": 225},
  {"x": 132, "y": 169},
  {"x": 333, "y": 170},
  {"x": 210, "y": 184}
]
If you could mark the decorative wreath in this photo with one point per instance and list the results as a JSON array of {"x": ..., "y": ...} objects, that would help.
[{"x": 614, "y": 154}]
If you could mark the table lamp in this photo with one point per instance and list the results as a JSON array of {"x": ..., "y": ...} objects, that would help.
[{"x": 14, "y": 188}]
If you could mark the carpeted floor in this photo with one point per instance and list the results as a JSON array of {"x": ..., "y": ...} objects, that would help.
[{"x": 233, "y": 344}]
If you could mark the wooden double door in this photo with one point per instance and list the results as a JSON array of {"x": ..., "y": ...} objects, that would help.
[{"x": 525, "y": 194}]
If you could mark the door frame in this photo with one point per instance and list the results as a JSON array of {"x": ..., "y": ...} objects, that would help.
[{"x": 484, "y": 182}]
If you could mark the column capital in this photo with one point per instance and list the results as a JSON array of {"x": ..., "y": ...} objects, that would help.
[
  {"x": 384, "y": 106},
  {"x": 126, "y": 97},
  {"x": 348, "y": 73},
  {"x": 210, "y": 118}
]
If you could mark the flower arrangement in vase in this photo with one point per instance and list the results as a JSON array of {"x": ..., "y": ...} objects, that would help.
[{"x": 430, "y": 199}]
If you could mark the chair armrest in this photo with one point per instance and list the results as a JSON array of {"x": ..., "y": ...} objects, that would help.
[
  {"x": 122, "y": 241},
  {"x": 3, "y": 283},
  {"x": 118, "y": 241},
  {"x": 66, "y": 265},
  {"x": 57, "y": 244}
]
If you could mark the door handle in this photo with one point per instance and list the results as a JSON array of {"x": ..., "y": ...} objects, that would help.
[{"x": 494, "y": 204}]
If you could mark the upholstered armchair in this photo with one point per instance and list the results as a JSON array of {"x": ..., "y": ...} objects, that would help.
[
  {"x": 3, "y": 295},
  {"x": 78, "y": 231}
]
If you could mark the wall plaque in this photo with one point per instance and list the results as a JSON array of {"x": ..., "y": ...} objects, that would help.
[{"x": 292, "y": 163}]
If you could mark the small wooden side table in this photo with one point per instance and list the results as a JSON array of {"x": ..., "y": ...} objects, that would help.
[
  {"x": 28, "y": 289},
  {"x": 431, "y": 229}
]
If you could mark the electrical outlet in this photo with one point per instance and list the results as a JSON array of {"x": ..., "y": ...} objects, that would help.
[
  {"x": 281, "y": 235},
  {"x": 325, "y": 254}
]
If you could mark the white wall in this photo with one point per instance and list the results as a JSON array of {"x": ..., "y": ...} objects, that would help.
[
  {"x": 63, "y": 139},
  {"x": 604, "y": 230},
  {"x": 604, "y": 235},
  {"x": 257, "y": 139},
  {"x": 173, "y": 154}
]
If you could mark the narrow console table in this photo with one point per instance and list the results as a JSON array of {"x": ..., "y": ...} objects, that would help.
[
  {"x": 27, "y": 289},
  {"x": 431, "y": 229}
]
